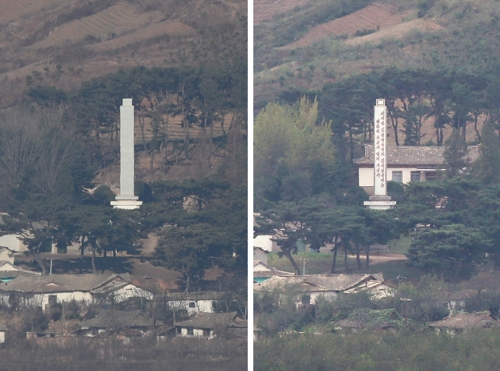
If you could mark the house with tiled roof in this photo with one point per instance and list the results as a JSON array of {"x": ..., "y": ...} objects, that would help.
[
  {"x": 194, "y": 302},
  {"x": 406, "y": 164},
  {"x": 462, "y": 321},
  {"x": 308, "y": 288},
  {"x": 262, "y": 271},
  {"x": 48, "y": 290},
  {"x": 9, "y": 271},
  {"x": 125, "y": 324},
  {"x": 210, "y": 325}
]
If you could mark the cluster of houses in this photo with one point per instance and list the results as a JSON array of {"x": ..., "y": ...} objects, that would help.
[
  {"x": 20, "y": 288},
  {"x": 306, "y": 290}
]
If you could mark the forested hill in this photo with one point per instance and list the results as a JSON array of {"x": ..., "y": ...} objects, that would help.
[
  {"x": 183, "y": 63},
  {"x": 64, "y": 43},
  {"x": 65, "y": 66},
  {"x": 301, "y": 48}
]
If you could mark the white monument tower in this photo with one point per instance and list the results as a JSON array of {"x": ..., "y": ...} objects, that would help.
[
  {"x": 380, "y": 200},
  {"x": 126, "y": 199}
]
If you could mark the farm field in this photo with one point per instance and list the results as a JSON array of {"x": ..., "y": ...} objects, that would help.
[
  {"x": 109, "y": 23},
  {"x": 376, "y": 17},
  {"x": 95, "y": 38},
  {"x": 267, "y": 9}
]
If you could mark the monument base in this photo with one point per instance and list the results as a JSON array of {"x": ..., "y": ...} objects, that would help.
[
  {"x": 380, "y": 203},
  {"x": 126, "y": 204}
]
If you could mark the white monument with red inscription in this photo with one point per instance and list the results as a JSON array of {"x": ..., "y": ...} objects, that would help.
[
  {"x": 127, "y": 199},
  {"x": 380, "y": 200}
]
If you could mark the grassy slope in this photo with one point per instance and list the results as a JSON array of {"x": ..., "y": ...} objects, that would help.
[
  {"x": 94, "y": 38},
  {"x": 64, "y": 43},
  {"x": 461, "y": 34}
]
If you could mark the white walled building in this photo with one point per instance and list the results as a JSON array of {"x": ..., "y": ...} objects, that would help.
[
  {"x": 38, "y": 290},
  {"x": 194, "y": 302},
  {"x": 308, "y": 288},
  {"x": 210, "y": 325},
  {"x": 406, "y": 164}
]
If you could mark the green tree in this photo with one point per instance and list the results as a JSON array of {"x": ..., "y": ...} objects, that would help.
[
  {"x": 487, "y": 167},
  {"x": 212, "y": 236},
  {"x": 455, "y": 154},
  {"x": 290, "y": 145},
  {"x": 453, "y": 251},
  {"x": 44, "y": 172}
]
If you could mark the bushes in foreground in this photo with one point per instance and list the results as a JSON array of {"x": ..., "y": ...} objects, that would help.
[{"x": 474, "y": 350}]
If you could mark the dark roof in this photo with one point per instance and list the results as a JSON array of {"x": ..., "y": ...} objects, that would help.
[
  {"x": 432, "y": 156},
  {"x": 118, "y": 319},
  {"x": 62, "y": 282},
  {"x": 464, "y": 320},
  {"x": 209, "y": 320},
  {"x": 321, "y": 282}
]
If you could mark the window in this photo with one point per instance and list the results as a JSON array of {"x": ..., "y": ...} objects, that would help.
[
  {"x": 415, "y": 176},
  {"x": 52, "y": 300},
  {"x": 397, "y": 176},
  {"x": 192, "y": 304},
  {"x": 430, "y": 176},
  {"x": 206, "y": 333},
  {"x": 190, "y": 331},
  {"x": 306, "y": 299}
]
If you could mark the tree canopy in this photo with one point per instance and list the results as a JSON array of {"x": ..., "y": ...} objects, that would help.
[{"x": 293, "y": 151}]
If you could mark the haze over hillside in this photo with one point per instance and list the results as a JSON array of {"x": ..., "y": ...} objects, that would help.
[
  {"x": 93, "y": 38},
  {"x": 55, "y": 46},
  {"x": 302, "y": 48}
]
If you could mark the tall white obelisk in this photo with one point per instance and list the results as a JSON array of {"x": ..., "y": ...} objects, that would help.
[
  {"x": 380, "y": 200},
  {"x": 126, "y": 199}
]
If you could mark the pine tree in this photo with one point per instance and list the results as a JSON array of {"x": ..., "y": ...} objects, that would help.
[
  {"x": 455, "y": 154},
  {"x": 487, "y": 167}
]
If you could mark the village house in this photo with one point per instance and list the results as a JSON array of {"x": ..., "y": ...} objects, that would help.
[
  {"x": 3, "y": 331},
  {"x": 13, "y": 242},
  {"x": 194, "y": 302},
  {"x": 262, "y": 271},
  {"x": 406, "y": 164},
  {"x": 9, "y": 271},
  {"x": 49, "y": 290},
  {"x": 210, "y": 325},
  {"x": 308, "y": 288},
  {"x": 260, "y": 254},
  {"x": 122, "y": 325},
  {"x": 264, "y": 242},
  {"x": 385, "y": 320},
  {"x": 6, "y": 255},
  {"x": 459, "y": 322}
]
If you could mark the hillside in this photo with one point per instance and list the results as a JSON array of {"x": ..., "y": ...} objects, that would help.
[
  {"x": 318, "y": 42},
  {"x": 62, "y": 44},
  {"x": 94, "y": 38}
]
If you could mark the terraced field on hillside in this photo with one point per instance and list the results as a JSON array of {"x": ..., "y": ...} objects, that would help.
[
  {"x": 170, "y": 28},
  {"x": 264, "y": 10},
  {"x": 375, "y": 17},
  {"x": 102, "y": 26}
]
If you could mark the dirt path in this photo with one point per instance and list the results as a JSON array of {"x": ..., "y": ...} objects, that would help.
[{"x": 377, "y": 259}]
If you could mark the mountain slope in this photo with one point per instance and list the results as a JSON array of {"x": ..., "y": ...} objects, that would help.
[
  {"x": 67, "y": 42},
  {"x": 317, "y": 42}
]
